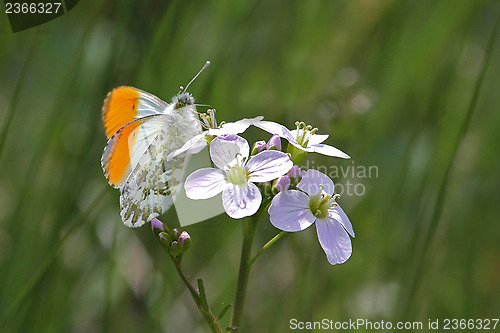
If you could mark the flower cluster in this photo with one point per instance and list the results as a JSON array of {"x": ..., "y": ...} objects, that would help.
[
  {"x": 174, "y": 242},
  {"x": 236, "y": 175},
  {"x": 297, "y": 199}
]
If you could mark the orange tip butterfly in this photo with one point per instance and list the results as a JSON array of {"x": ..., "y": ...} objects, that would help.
[{"x": 142, "y": 130}]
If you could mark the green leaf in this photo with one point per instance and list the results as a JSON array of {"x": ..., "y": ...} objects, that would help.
[
  {"x": 223, "y": 312},
  {"x": 203, "y": 296}
]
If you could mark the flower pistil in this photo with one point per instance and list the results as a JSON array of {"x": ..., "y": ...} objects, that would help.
[
  {"x": 209, "y": 120},
  {"x": 237, "y": 174},
  {"x": 321, "y": 203},
  {"x": 304, "y": 133}
]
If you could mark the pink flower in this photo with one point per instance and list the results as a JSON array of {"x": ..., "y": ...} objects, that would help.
[
  {"x": 236, "y": 175},
  {"x": 295, "y": 210},
  {"x": 200, "y": 141},
  {"x": 303, "y": 138}
]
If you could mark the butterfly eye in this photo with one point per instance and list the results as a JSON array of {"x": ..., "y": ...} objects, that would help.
[{"x": 180, "y": 105}]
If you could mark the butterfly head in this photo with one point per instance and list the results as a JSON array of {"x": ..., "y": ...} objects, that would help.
[{"x": 182, "y": 99}]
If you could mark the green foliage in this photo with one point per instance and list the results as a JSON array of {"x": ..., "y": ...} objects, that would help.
[{"x": 390, "y": 81}]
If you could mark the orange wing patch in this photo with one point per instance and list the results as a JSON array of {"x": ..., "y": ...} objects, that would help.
[
  {"x": 120, "y": 108},
  {"x": 117, "y": 161}
]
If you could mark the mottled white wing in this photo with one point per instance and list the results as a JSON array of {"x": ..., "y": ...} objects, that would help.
[
  {"x": 127, "y": 146},
  {"x": 148, "y": 190}
]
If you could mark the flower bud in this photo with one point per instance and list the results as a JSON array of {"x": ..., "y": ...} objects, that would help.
[
  {"x": 294, "y": 172},
  {"x": 176, "y": 233},
  {"x": 162, "y": 233},
  {"x": 157, "y": 226},
  {"x": 258, "y": 147},
  {"x": 281, "y": 184},
  {"x": 274, "y": 143},
  {"x": 165, "y": 240},
  {"x": 180, "y": 244},
  {"x": 175, "y": 249},
  {"x": 185, "y": 241}
]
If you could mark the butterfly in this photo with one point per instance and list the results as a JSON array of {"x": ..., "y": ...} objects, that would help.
[{"x": 142, "y": 130}]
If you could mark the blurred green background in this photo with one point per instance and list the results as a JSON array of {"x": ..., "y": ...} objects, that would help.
[{"x": 394, "y": 83}]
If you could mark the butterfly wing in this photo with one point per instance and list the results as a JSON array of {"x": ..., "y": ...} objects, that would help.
[
  {"x": 155, "y": 179},
  {"x": 125, "y": 104},
  {"x": 127, "y": 146},
  {"x": 142, "y": 131}
]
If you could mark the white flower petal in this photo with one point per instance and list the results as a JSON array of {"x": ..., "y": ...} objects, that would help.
[
  {"x": 194, "y": 145},
  {"x": 317, "y": 139},
  {"x": 313, "y": 139},
  {"x": 297, "y": 145},
  {"x": 204, "y": 183},
  {"x": 226, "y": 148},
  {"x": 289, "y": 211},
  {"x": 224, "y": 153},
  {"x": 237, "y": 127},
  {"x": 241, "y": 200},
  {"x": 338, "y": 214},
  {"x": 311, "y": 179},
  {"x": 326, "y": 150},
  {"x": 334, "y": 240},
  {"x": 275, "y": 128},
  {"x": 268, "y": 165}
]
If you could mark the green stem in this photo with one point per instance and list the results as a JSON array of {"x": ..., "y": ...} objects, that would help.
[
  {"x": 207, "y": 313},
  {"x": 10, "y": 110},
  {"x": 296, "y": 155},
  {"x": 432, "y": 225},
  {"x": 241, "y": 288},
  {"x": 267, "y": 245},
  {"x": 48, "y": 261}
]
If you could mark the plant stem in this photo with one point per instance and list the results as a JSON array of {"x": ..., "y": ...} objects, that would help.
[
  {"x": 267, "y": 245},
  {"x": 432, "y": 225},
  {"x": 47, "y": 263},
  {"x": 241, "y": 288},
  {"x": 207, "y": 313},
  {"x": 10, "y": 110}
]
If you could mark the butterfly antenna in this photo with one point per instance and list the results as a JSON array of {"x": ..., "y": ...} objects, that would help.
[
  {"x": 205, "y": 105},
  {"x": 194, "y": 78}
]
